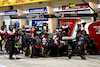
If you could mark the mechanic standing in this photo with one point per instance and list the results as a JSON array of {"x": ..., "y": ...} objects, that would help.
[
  {"x": 27, "y": 27},
  {"x": 2, "y": 32},
  {"x": 66, "y": 28},
  {"x": 11, "y": 41}
]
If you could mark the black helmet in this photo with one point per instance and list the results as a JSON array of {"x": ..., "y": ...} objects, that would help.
[
  {"x": 92, "y": 39},
  {"x": 50, "y": 39},
  {"x": 19, "y": 32},
  {"x": 2, "y": 27},
  {"x": 10, "y": 27},
  {"x": 64, "y": 33},
  {"x": 57, "y": 34},
  {"x": 81, "y": 39}
]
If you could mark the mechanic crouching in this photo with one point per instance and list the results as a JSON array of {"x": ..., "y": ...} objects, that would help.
[
  {"x": 51, "y": 47},
  {"x": 36, "y": 47},
  {"x": 80, "y": 48}
]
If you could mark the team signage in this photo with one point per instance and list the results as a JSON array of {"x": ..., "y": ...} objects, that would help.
[
  {"x": 10, "y": 12},
  {"x": 14, "y": 12},
  {"x": 16, "y": 2},
  {"x": 71, "y": 7},
  {"x": 35, "y": 10}
]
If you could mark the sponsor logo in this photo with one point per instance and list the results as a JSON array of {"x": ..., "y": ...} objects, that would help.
[{"x": 97, "y": 28}]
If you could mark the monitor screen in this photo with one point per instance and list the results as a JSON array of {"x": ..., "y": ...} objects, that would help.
[{"x": 38, "y": 32}]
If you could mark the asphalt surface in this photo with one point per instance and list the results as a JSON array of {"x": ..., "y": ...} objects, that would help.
[{"x": 76, "y": 61}]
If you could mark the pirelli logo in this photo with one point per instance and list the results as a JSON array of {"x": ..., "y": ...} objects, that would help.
[{"x": 72, "y": 5}]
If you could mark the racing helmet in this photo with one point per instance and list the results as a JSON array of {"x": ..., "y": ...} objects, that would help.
[
  {"x": 11, "y": 27},
  {"x": 2, "y": 27}
]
